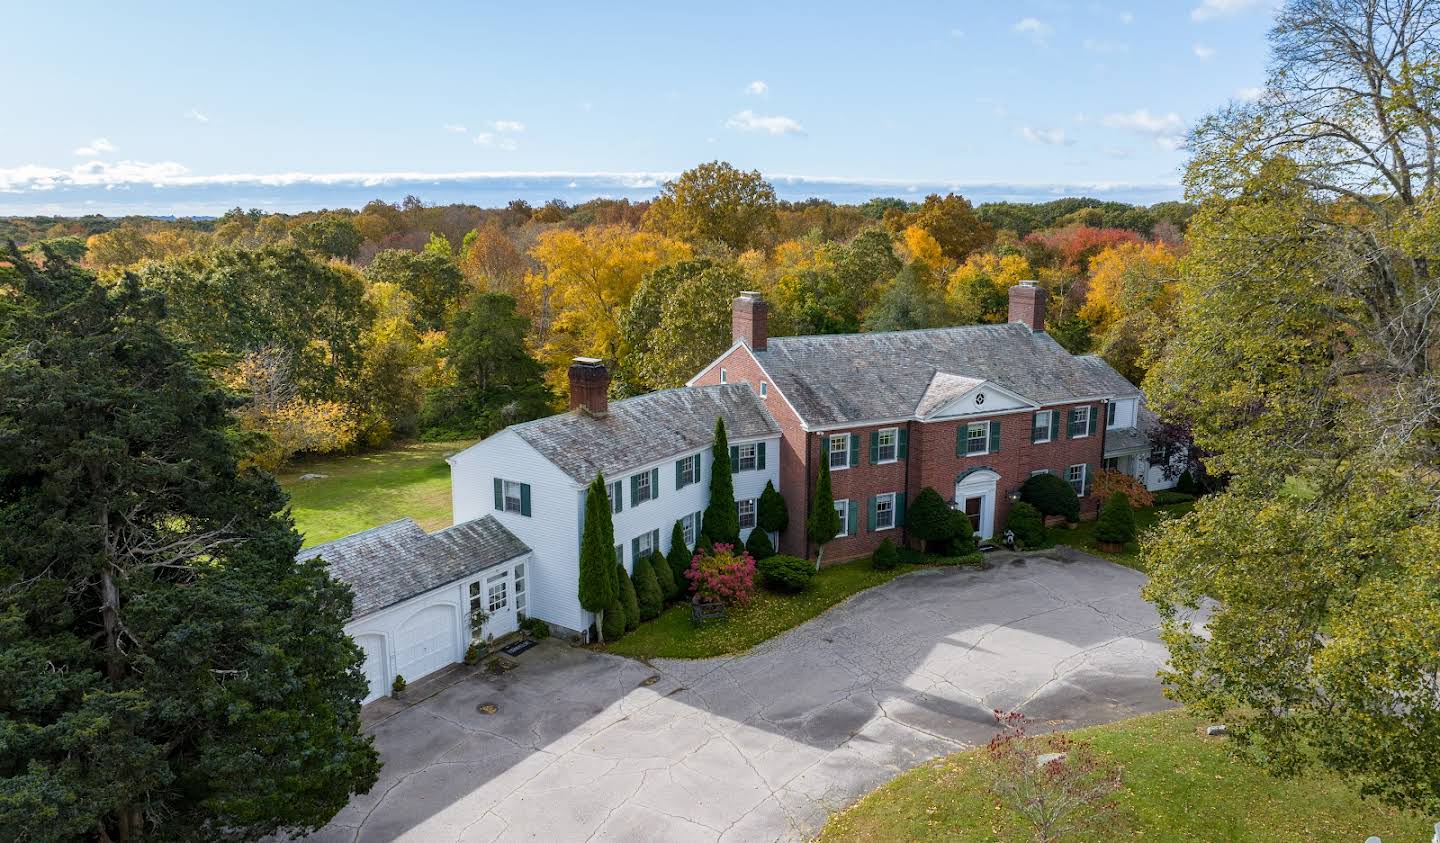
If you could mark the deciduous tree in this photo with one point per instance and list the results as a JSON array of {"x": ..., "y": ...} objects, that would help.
[{"x": 715, "y": 202}]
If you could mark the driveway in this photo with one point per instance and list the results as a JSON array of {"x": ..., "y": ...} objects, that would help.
[{"x": 764, "y": 745}]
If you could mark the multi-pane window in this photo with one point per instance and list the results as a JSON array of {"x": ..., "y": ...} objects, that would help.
[
  {"x": 498, "y": 593},
  {"x": 840, "y": 451},
  {"x": 514, "y": 496},
  {"x": 688, "y": 528},
  {"x": 1075, "y": 474},
  {"x": 520, "y": 588},
  {"x": 647, "y": 543},
  {"x": 747, "y": 457},
  {"x": 687, "y": 471},
  {"x": 842, "y": 508},
  {"x": 619, "y": 554},
  {"x": 1041, "y": 430},
  {"x": 887, "y": 443},
  {"x": 477, "y": 604},
  {"x": 746, "y": 510},
  {"x": 644, "y": 491},
  {"x": 1079, "y": 422},
  {"x": 885, "y": 511},
  {"x": 617, "y": 497},
  {"x": 977, "y": 438}
]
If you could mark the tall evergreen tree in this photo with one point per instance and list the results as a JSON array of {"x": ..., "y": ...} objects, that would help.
[
  {"x": 647, "y": 587},
  {"x": 598, "y": 586},
  {"x": 824, "y": 522},
  {"x": 722, "y": 521},
  {"x": 628, "y": 598},
  {"x": 664, "y": 577},
  {"x": 167, "y": 668},
  {"x": 679, "y": 559},
  {"x": 772, "y": 514}
]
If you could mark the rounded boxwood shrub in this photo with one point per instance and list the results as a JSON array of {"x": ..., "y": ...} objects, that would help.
[
  {"x": 1116, "y": 524},
  {"x": 885, "y": 557},
  {"x": 1027, "y": 524},
  {"x": 628, "y": 598},
  {"x": 786, "y": 574},
  {"x": 538, "y": 629},
  {"x": 647, "y": 589},
  {"x": 1052, "y": 495},
  {"x": 664, "y": 576},
  {"x": 758, "y": 544},
  {"x": 612, "y": 628}
]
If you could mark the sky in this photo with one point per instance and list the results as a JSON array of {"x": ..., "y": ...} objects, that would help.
[{"x": 194, "y": 108}]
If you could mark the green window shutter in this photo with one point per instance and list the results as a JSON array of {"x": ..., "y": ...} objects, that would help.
[
  {"x": 1071, "y": 431},
  {"x": 654, "y": 482},
  {"x": 499, "y": 495},
  {"x": 760, "y": 456},
  {"x": 874, "y": 446},
  {"x": 634, "y": 549},
  {"x": 1094, "y": 417},
  {"x": 634, "y": 490},
  {"x": 618, "y": 502},
  {"x": 525, "y": 499},
  {"x": 903, "y": 449},
  {"x": 870, "y": 514},
  {"x": 1054, "y": 425},
  {"x": 994, "y": 437},
  {"x": 852, "y": 518},
  {"x": 679, "y": 468},
  {"x": 854, "y": 449},
  {"x": 734, "y": 459},
  {"x": 899, "y": 509}
]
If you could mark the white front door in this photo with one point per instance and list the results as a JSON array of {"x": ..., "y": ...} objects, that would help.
[
  {"x": 975, "y": 496},
  {"x": 496, "y": 593},
  {"x": 374, "y": 648}
]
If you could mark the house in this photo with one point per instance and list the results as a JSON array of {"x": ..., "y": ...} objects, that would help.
[
  {"x": 970, "y": 411},
  {"x": 654, "y": 452},
  {"x": 416, "y": 593}
]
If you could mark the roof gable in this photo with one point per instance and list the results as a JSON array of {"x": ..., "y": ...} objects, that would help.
[{"x": 952, "y": 396}]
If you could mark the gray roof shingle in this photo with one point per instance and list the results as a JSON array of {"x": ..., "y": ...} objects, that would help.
[
  {"x": 646, "y": 428},
  {"x": 846, "y": 378},
  {"x": 396, "y": 561},
  {"x": 1127, "y": 439}
]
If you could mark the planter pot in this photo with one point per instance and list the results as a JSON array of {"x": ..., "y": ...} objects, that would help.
[{"x": 1111, "y": 547}]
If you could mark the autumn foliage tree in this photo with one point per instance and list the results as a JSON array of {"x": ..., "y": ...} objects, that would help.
[{"x": 715, "y": 202}]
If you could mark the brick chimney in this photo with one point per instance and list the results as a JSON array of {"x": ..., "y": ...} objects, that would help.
[
  {"x": 589, "y": 385},
  {"x": 1027, "y": 304},
  {"x": 750, "y": 320}
]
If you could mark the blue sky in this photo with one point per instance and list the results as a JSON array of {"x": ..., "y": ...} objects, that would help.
[{"x": 197, "y": 107}]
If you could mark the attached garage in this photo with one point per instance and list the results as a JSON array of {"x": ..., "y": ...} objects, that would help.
[{"x": 416, "y": 592}]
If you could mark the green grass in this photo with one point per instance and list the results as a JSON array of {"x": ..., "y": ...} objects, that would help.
[
  {"x": 1178, "y": 786},
  {"x": 1082, "y": 537},
  {"x": 366, "y": 490},
  {"x": 672, "y": 635}
]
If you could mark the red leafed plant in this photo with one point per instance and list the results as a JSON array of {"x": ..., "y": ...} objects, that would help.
[
  {"x": 1111, "y": 481},
  {"x": 1057, "y": 785},
  {"x": 722, "y": 576}
]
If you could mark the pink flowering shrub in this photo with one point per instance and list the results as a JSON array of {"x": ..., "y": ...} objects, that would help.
[{"x": 722, "y": 575}]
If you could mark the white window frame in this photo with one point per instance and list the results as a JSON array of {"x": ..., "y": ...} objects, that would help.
[
  {"x": 518, "y": 500},
  {"x": 1049, "y": 434},
  {"x": 746, "y": 510},
  {"x": 724, "y": 377},
  {"x": 497, "y": 593},
  {"x": 687, "y": 530},
  {"x": 690, "y": 470},
  {"x": 620, "y": 554},
  {"x": 1085, "y": 429},
  {"x": 844, "y": 439},
  {"x": 889, "y": 500},
  {"x": 749, "y": 453},
  {"x": 648, "y": 544},
  {"x": 984, "y": 438},
  {"x": 842, "y": 508},
  {"x": 894, "y": 446},
  {"x": 521, "y": 603},
  {"x": 1039, "y": 471},
  {"x": 1084, "y": 470},
  {"x": 764, "y": 388},
  {"x": 643, "y": 491}
]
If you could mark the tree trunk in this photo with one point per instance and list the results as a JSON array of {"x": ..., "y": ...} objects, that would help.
[{"x": 600, "y": 625}]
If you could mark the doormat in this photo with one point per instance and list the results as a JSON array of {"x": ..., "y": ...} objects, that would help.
[{"x": 518, "y": 647}]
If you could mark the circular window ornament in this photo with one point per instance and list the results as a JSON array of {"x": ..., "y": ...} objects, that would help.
[{"x": 979, "y": 398}]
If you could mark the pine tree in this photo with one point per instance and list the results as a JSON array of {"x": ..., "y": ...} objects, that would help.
[
  {"x": 824, "y": 523},
  {"x": 598, "y": 586},
  {"x": 722, "y": 521},
  {"x": 169, "y": 669},
  {"x": 647, "y": 589},
  {"x": 664, "y": 576},
  {"x": 628, "y": 598},
  {"x": 679, "y": 561},
  {"x": 773, "y": 516},
  {"x": 758, "y": 545}
]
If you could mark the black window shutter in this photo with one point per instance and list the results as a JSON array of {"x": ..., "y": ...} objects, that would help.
[
  {"x": 760, "y": 456},
  {"x": 525, "y": 499},
  {"x": 994, "y": 437},
  {"x": 499, "y": 494}
]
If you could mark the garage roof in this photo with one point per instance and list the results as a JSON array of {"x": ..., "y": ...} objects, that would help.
[{"x": 399, "y": 560}]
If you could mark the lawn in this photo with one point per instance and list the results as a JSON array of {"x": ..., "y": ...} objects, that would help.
[
  {"x": 672, "y": 635},
  {"x": 1083, "y": 536},
  {"x": 1179, "y": 786},
  {"x": 360, "y": 491}
]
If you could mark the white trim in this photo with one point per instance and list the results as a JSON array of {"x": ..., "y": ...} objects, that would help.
[
  {"x": 713, "y": 363},
  {"x": 895, "y": 445},
  {"x": 723, "y": 379},
  {"x": 829, "y": 451},
  {"x": 980, "y": 484},
  {"x": 1049, "y": 428},
  {"x": 988, "y": 429},
  {"x": 892, "y": 496},
  {"x": 842, "y": 508}
]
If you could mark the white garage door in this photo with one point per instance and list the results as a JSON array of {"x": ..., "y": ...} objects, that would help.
[
  {"x": 374, "y": 647},
  {"x": 426, "y": 642}
]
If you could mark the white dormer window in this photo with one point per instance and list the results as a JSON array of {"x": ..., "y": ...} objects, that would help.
[{"x": 724, "y": 378}]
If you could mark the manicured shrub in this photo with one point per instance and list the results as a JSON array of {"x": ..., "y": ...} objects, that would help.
[
  {"x": 758, "y": 545},
  {"x": 1116, "y": 524},
  {"x": 679, "y": 560},
  {"x": 1027, "y": 524},
  {"x": 613, "y": 627},
  {"x": 772, "y": 516},
  {"x": 931, "y": 520},
  {"x": 722, "y": 575},
  {"x": 885, "y": 557},
  {"x": 664, "y": 577},
  {"x": 1186, "y": 483},
  {"x": 1109, "y": 481},
  {"x": 538, "y": 629},
  {"x": 964, "y": 540},
  {"x": 647, "y": 590},
  {"x": 398, "y": 686},
  {"x": 1052, "y": 495},
  {"x": 473, "y": 653},
  {"x": 703, "y": 545},
  {"x": 628, "y": 598},
  {"x": 1170, "y": 497},
  {"x": 786, "y": 574}
]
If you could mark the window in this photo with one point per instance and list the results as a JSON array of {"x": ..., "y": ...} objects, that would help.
[
  {"x": 619, "y": 554},
  {"x": 689, "y": 527},
  {"x": 840, "y": 451},
  {"x": 723, "y": 377},
  {"x": 687, "y": 471},
  {"x": 842, "y": 508},
  {"x": 885, "y": 511},
  {"x": 498, "y": 593},
  {"x": 1160, "y": 454},
  {"x": 511, "y": 496},
  {"x": 746, "y": 509},
  {"x": 1111, "y": 413},
  {"x": 1039, "y": 471},
  {"x": 477, "y": 604},
  {"x": 1079, "y": 422},
  {"x": 764, "y": 389},
  {"x": 617, "y": 497},
  {"x": 1111, "y": 464},
  {"x": 747, "y": 457},
  {"x": 643, "y": 545},
  {"x": 977, "y": 438},
  {"x": 887, "y": 443},
  {"x": 520, "y": 589},
  {"x": 1075, "y": 474},
  {"x": 643, "y": 492},
  {"x": 1040, "y": 431}
]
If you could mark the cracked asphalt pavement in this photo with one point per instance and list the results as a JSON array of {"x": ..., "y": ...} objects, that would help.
[{"x": 766, "y": 744}]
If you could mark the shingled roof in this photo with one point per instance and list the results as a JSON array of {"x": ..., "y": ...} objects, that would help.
[
  {"x": 1127, "y": 439},
  {"x": 847, "y": 378},
  {"x": 650, "y": 427},
  {"x": 399, "y": 560}
]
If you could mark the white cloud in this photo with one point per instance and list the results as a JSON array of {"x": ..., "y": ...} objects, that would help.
[
  {"x": 508, "y": 126},
  {"x": 496, "y": 141},
  {"x": 198, "y": 116},
  {"x": 749, "y": 121},
  {"x": 90, "y": 174},
  {"x": 1250, "y": 94},
  {"x": 1050, "y": 137},
  {"x": 99, "y": 146},
  {"x": 1211, "y": 9},
  {"x": 1117, "y": 152},
  {"x": 1203, "y": 52},
  {"x": 1168, "y": 129},
  {"x": 757, "y": 88},
  {"x": 1037, "y": 29},
  {"x": 1093, "y": 46},
  {"x": 456, "y": 128},
  {"x": 1127, "y": 18}
]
